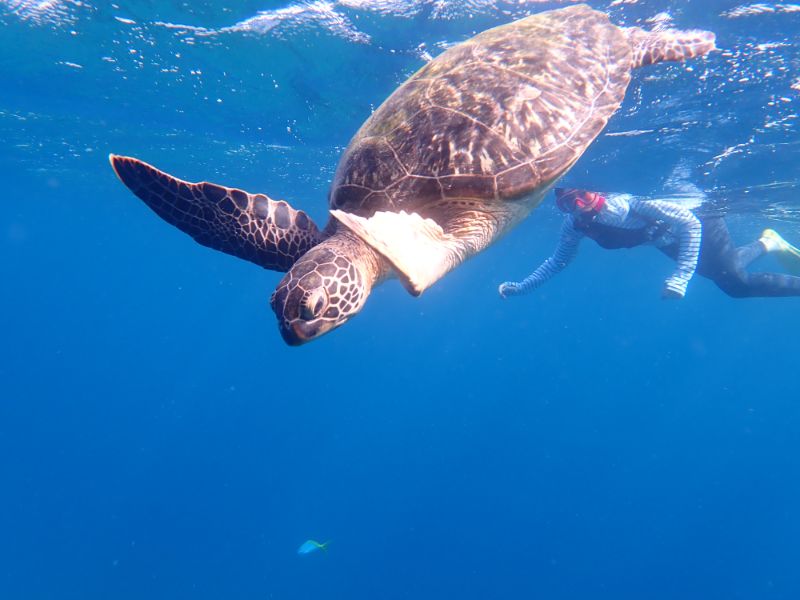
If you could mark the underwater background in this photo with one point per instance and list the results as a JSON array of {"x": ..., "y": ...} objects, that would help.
[{"x": 159, "y": 440}]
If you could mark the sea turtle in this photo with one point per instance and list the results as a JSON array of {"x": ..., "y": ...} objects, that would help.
[{"x": 455, "y": 157}]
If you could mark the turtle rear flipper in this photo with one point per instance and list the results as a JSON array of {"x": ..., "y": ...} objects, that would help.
[
  {"x": 254, "y": 227},
  {"x": 651, "y": 47}
]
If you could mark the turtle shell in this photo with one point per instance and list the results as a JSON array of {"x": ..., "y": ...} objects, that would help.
[{"x": 495, "y": 118}]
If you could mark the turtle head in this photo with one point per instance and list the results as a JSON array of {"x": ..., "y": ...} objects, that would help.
[{"x": 323, "y": 289}]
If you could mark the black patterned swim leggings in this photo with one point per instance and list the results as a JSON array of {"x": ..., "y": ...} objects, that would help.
[{"x": 726, "y": 265}]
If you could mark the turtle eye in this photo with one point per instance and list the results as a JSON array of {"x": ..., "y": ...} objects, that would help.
[{"x": 314, "y": 304}]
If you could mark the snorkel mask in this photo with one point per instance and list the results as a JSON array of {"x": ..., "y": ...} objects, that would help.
[{"x": 584, "y": 202}]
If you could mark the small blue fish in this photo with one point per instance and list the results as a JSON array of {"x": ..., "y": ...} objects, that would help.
[{"x": 310, "y": 546}]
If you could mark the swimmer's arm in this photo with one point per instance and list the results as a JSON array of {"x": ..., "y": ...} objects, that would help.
[
  {"x": 689, "y": 232},
  {"x": 564, "y": 253}
]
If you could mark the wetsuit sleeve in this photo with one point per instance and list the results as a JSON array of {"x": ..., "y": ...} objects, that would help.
[
  {"x": 564, "y": 253},
  {"x": 688, "y": 231}
]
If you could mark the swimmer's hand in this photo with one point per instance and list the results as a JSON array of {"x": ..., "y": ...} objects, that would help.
[
  {"x": 669, "y": 293},
  {"x": 674, "y": 288},
  {"x": 508, "y": 288}
]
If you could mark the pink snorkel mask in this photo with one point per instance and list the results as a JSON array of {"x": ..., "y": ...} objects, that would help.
[{"x": 573, "y": 200}]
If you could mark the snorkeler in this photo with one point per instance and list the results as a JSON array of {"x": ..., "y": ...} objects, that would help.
[{"x": 696, "y": 244}]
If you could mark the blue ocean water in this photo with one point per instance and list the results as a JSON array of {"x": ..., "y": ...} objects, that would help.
[{"x": 159, "y": 440}]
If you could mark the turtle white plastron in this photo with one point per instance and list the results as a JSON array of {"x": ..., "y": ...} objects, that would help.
[{"x": 455, "y": 157}]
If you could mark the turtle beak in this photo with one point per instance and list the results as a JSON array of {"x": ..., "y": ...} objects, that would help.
[{"x": 298, "y": 332}]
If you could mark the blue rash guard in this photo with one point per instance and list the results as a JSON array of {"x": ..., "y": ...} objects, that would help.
[{"x": 625, "y": 222}]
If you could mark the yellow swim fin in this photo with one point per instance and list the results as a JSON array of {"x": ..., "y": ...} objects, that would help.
[{"x": 787, "y": 255}]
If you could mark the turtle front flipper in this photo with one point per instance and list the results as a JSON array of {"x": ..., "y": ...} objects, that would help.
[
  {"x": 651, "y": 47},
  {"x": 421, "y": 250},
  {"x": 254, "y": 227}
]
